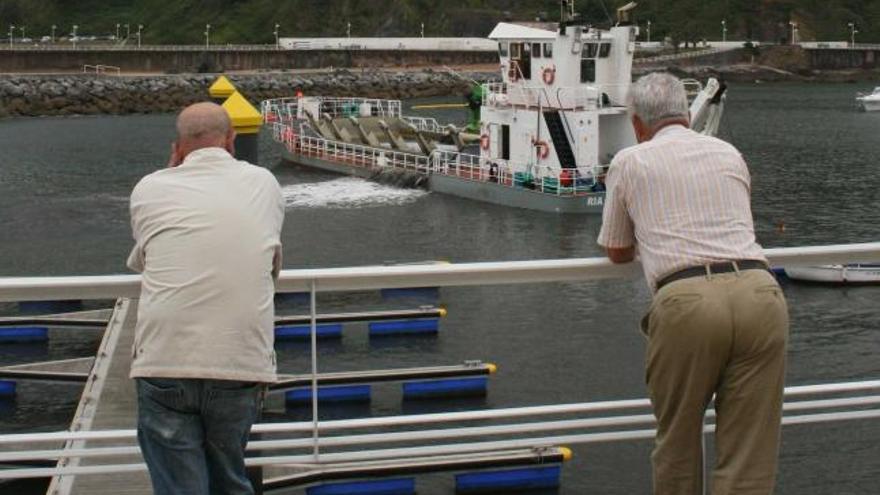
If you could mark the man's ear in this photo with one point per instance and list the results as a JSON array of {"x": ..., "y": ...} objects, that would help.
[
  {"x": 640, "y": 129},
  {"x": 230, "y": 142}
]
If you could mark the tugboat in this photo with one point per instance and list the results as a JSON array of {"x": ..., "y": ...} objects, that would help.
[{"x": 548, "y": 130}]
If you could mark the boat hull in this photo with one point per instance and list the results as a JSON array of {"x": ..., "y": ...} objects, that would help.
[
  {"x": 486, "y": 191},
  {"x": 869, "y": 104},
  {"x": 835, "y": 274}
]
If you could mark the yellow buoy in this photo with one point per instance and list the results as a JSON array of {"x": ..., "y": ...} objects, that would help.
[
  {"x": 221, "y": 89},
  {"x": 246, "y": 120}
]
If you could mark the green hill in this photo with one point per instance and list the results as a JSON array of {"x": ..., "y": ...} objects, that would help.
[{"x": 253, "y": 21}]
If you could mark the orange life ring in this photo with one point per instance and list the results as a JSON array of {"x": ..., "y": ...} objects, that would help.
[
  {"x": 484, "y": 141},
  {"x": 542, "y": 149},
  {"x": 549, "y": 75}
]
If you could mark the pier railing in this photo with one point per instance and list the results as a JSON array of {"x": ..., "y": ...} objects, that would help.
[{"x": 329, "y": 445}]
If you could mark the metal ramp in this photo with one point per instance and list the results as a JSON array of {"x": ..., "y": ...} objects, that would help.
[{"x": 560, "y": 139}]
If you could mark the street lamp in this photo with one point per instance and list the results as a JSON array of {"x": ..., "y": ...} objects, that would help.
[
  {"x": 649, "y": 31},
  {"x": 794, "y": 32},
  {"x": 22, "y": 33},
  {"x": 348, "y": 30},
  {"x": 207, "y": 35},
  {"x": 11, "y": 34},
  {"x": 140, "y": 27},
  {"x": 54, "y": 27},
  {"x": 277, "y": 39},
  {"x": 852, "y": 34},
  {"x": 724, "y": 30},
  {"x": 423, "y": 30},
  {"x": 75, "y": 27},
  {"x": 117, "y": 31}
]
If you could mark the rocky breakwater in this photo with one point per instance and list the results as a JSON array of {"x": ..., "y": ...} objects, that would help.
[{"x": 107, "y": 94}]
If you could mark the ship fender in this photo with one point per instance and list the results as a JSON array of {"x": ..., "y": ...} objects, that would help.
[{"x": 549, "y": 75}]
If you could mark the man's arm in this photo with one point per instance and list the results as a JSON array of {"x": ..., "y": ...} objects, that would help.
[
  {"x": 621, "y": 255},
  {"x": 617, "y": 226}
]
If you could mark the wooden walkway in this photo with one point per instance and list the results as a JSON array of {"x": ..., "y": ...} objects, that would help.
[{"x": 108, "y": 402}]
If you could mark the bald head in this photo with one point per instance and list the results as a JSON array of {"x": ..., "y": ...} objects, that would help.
[{"x": 203, "y": 125}]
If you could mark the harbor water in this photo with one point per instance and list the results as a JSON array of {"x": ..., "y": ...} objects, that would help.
[{"x": 64, "y": 185}]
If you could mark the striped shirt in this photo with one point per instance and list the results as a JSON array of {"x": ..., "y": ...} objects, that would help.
[{"x": 683, "y": 199}]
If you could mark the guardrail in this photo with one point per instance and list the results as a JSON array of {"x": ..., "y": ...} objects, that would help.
[
  {"x": 143, "y": 48},
  {"x": 101, "y": 69},
  {"x": 382, "y": 446}
]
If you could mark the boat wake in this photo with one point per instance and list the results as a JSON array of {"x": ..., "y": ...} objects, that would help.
[{"x": 347, "y": 193}]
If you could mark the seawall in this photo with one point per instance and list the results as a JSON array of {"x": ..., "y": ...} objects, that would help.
[
  {"x": 90, "y": 94},
  {"x": 168, "y": 59}
]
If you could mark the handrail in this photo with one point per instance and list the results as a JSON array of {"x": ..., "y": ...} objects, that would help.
[{"x": 441, "y": 275}]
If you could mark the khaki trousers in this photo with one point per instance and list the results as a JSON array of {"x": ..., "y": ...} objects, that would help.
[{"x": 722, "y": 334}]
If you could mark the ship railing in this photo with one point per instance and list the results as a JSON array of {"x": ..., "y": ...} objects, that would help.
[
  {"x": 426, "y": 124},
  {"x": 344, "y": 107},
  {"x": 355, "y": 155},
  {"x": 319, "y": 444},
  {"x": 279, "y": 109},
  {"x": 547, "y": 180},
  {"x": 565, "y": 97}
]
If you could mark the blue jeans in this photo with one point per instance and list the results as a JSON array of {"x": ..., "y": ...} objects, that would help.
[{"x": 193, "y": 433}]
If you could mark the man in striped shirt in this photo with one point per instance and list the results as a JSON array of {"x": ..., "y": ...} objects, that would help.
[{"x": 718, "y": 322}]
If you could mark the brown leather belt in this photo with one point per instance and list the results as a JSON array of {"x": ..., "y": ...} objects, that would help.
[{"x": 719, "y": 267}]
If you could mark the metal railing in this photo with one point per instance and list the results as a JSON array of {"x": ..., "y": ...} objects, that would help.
[
  {"x": 539, "y": 178},
  {"x": 621, "y": 420},
  {"x": 80, "y": 47},
  {"x": 101, "y": 69}
]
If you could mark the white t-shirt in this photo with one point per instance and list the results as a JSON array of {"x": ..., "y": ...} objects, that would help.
[{"x": 206, "y": 233}]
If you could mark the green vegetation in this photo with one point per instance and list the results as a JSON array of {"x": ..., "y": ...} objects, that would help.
[{"x": 253, "y": 21}]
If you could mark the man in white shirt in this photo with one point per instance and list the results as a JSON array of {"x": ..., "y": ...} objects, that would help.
[
  {"x": 718, "y": 323},
  {"x": 207, "y": 240}
]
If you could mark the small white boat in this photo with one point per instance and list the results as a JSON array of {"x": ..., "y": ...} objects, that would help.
[
  {"x": 869, "y": 102},
  {"x": 859, "y": 273}
]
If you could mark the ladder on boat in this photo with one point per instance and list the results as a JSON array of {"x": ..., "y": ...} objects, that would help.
[{"x": 560, "y": 139}]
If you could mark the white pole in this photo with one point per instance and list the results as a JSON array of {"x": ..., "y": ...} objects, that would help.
[
  {"x": 314, "y": 335},
  {"x": 140, "y": 27},
  {"x": 207, "y": 36},
  {"x": 277, "y": 39},
  {"x": 74, "y": 35},
  {"x": 11, "y": 34},
  {"x": 53, "y": 33},
  {"x": 649, "y": 31}
]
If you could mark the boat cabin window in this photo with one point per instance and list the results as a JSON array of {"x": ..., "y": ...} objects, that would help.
[
  {"x": 588, "y": 70},
  {"x": 548, "y": 50},
  {"x": 502, "y": 48},
  {"x": 536, "y": 50},
  {"x": 590, "y": 50},
  {"x": 604, "y": 50},
  {"x": 521, "y": 56}
]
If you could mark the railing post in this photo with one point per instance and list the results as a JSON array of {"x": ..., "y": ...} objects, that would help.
[{"x": 314, "y": 335}]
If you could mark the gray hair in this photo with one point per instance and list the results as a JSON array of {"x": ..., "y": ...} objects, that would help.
[{"x": 656, "y": 97}]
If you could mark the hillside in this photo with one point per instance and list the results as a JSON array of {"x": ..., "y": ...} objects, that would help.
[{"x": 253, "y": 21}]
